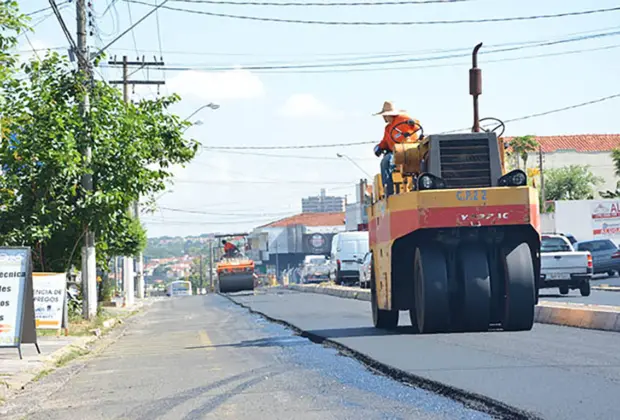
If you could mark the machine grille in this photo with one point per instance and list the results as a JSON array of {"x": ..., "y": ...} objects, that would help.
[{"x": 465, "y": 163}]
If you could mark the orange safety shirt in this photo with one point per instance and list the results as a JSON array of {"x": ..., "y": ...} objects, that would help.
[
  {"x": 229, "y": 247},
  {"x": 387, "y": 143}
]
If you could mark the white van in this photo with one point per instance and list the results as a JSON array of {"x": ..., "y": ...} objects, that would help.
[{"x": 347, "y": 249}]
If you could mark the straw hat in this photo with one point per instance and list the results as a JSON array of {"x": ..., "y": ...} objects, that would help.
[{"x": 390, "y": 110}]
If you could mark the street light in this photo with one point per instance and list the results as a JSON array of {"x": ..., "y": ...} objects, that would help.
[
  {"x": 209, "y": 105},
  {"x": 353, "y": 162}
]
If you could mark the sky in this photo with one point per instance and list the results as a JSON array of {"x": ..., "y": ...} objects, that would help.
[{"x": 229, "y": 61}]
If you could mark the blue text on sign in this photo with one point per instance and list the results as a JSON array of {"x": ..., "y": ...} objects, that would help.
[{"x": 477, "y": 195}]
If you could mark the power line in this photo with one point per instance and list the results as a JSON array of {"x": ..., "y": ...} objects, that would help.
[
  {"x": 154, "y": 9},
  {"x": 252, "y": 182},
  {"x": 317, "y": 146},
  {"x": 349, "y": 64},
  {"x": 330, "y": 4},
  {"x": 227, "y": 213},
  {"x": 396, "y": 23},
  {"x": 552, "y": 111},
  {"x": 45, "y": 9}
]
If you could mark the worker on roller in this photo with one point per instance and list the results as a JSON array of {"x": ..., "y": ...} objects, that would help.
[
  {"x": 392, "y": 117},
  {"x": 229, "y": 248}
]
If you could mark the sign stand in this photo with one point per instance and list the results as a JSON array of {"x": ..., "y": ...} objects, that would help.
[
  {"x": 29, "y": 328},
  {"x": 16, "y": 271}
]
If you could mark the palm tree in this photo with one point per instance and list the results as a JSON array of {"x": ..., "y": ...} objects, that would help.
[{"x": 523, "y": 145}]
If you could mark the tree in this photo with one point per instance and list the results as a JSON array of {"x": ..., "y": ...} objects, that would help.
[
  {"x": 12, "y": 23},
  {"x": 43, "y": 202},
  {"x": 522, "y": 146},
  {"x": 574, "y": 182}
]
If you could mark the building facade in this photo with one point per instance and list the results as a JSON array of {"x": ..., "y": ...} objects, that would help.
[
  {"x": 322, "y": 204},
  {"x": 593, "y": 150}
]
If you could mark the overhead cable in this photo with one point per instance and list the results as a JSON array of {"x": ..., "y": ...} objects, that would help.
[
  {"x": 389, "y": 23},
  {"x": 354, "y": 64},
  {"x": 323, "y": 4},
  {"x": 319, "y": 146}
]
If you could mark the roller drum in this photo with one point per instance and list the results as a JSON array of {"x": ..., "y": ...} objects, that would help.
[{"x": 236, "y": 282}]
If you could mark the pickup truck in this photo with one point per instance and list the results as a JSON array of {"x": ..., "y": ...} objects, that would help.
[{"x": 563, "y": 267}]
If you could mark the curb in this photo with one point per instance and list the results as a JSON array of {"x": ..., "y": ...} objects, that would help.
[
  {"x": 593, "y": 317},
  {"x": 606, "y": 288}
]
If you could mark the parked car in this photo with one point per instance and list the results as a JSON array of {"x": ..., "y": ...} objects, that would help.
[
  {"x": 605, "y": 255},
  {"x": 364, "y": 270},
  {"x": 315, "y": 269},
  {"x": 563, "y": 267},
  {"x": 347, "y": 248}
]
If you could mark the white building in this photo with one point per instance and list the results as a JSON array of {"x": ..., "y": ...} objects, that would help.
[{"x": 593, "y": 150}]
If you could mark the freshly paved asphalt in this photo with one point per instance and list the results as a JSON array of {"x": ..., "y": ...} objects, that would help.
[
  {"x": 203, "y": 357},
  {"x": 555, "y": 372}
]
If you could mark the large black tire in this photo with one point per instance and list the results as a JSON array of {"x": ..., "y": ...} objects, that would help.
[
  {"x": 520, "y": 298},
  {"x": 380, "y": 318},
  {"x": 474, "y": 273},
  {"x": 584, "y": 288},
  {"x": 564, "y": 290},
  {"x": 432, "y": 302}
]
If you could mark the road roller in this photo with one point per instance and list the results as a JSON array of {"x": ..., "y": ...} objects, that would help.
[
  {"x": 458, "y": 243},
  {"x": 235, "y": 271}
]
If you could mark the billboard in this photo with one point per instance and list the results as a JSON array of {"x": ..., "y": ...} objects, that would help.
[
  {"x": 605, "y": 219},
  {"x": 317, "y": 243}
]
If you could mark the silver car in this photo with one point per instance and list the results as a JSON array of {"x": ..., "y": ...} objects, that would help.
[
  {"x": 364, "y": 270},
  {"x": 605, "y": 255}
]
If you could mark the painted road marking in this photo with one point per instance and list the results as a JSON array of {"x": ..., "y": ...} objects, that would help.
[{"x": 206, "y": 341}]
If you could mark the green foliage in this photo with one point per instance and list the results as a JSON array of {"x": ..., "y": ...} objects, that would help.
[
  {"x": 611, "y": 194},
  {"x": 522, "y": 146},
  {"x": 12, "y": 23},
  {"x": 574, "y": 182},
  {"x": 44, "y": 204}
]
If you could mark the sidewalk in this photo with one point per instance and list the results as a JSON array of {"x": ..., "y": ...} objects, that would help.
[{"x": 16, "y": 373}]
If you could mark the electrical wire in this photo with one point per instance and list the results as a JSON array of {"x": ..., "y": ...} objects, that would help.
[
  {"x": 319, "y": 146},
  {"x": 265, "y": 214},
  {"x": 252, "y": 182},
  {"x": 62, "y": 3},
  {"x": 330, "y": 4},
  {"x": 399, "y": 60},
  {"x": 390, "y": 23},
  {"x": 63, "y": 26}
]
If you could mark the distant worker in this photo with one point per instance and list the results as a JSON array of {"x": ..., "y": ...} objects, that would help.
[
  {"x": 229, "y": 248},
  {"x": 392, "y": 117}
]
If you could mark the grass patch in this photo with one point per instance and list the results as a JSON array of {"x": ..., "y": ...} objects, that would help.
[
  {"x": 42, "y": 374},
  {"x": 71, "y": 355}
]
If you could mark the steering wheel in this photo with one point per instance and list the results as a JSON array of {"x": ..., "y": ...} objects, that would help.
[
  {"x": 493, "y": 130},
  {"x": 410, "y": 123}
]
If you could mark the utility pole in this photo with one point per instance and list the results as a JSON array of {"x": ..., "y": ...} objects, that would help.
[
  {"x": 362, "y": 202},
  {"x": 89, "y": 262},
  {"x": 212, "y": 286},
  {"x": 129, "y": 283},
  {"x": 541, "y": 158},
  {"x": 202, "y": 284}
]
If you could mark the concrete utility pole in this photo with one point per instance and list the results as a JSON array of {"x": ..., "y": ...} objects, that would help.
[
  {"x": 212, "y": 286},
  {"x": 89, "y": 262},
  {"x": 541, "y": 158},
  {"x": 129, "y": 282}
]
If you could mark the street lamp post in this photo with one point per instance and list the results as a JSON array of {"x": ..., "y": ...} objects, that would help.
[{"x": 340, "y": 155}]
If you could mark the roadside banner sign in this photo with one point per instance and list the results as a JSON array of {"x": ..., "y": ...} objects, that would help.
[
  {"x": 605, "y": 219},
  {"x": 17, "y": 322},
  {"x": 50, "y": 292}
]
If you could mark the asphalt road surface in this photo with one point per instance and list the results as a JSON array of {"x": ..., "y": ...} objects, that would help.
[
  {"x": 554, "y": 372},
  {"x": 597, "y": 297},
  {"x": 203, "y": 357}
]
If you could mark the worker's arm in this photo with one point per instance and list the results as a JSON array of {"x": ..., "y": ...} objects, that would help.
[{"x": 384, "y": 144}]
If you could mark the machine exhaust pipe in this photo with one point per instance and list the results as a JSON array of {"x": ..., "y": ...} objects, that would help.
[{"x": 475, "y": 86}]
